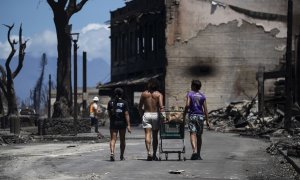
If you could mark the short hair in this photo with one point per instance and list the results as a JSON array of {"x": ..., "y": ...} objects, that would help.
[
  {"x": 153, "y": 84},
  {"x": 119, "y": 92},
  {"x": 196, "y": 84}
]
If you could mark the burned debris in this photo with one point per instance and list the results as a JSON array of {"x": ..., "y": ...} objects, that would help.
[
  {"x": 7, "y": 138},
  {"x": 244, "y": 118},
  {"x": 290, "y": 144}
]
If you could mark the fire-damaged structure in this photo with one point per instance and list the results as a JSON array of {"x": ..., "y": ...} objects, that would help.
[
  {"x": 137, "y": 46},
  {"x": 223, "y": 43},
  {"x": 284, "y": 97}
]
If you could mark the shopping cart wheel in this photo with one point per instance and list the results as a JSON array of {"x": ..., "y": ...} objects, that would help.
[
  {"x": 179, "y": 156},
  {"x": 184, "y": 159},
  {"x": 166, "y": 156}
]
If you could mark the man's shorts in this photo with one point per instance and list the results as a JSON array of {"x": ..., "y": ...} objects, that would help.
[
  {"x": 150, "y": 120},
  {"x": 196, "y": 123}
]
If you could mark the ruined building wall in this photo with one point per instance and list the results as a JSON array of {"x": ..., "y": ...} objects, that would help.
[
  {"x": 222, "y": 45},
  {"x": 137, "y": 39}
]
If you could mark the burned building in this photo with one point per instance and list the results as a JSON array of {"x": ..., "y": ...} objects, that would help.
[
  {"x": 137, "y": 46},
  {"x": 222, "y": 43}
]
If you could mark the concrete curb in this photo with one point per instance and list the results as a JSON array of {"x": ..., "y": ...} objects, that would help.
[{"x": 295, "y": 162}]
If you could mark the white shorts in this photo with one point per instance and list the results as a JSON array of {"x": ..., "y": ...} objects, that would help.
[{"x": 150, "y": 120}]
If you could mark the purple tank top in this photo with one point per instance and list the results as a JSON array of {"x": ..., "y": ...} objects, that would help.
[{"x": 196, "y": 102}]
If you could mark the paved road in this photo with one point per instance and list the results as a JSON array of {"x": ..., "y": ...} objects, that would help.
[{"x": 225, "y": 156}]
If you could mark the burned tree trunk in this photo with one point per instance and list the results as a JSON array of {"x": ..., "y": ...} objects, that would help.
[
  {"x": 1, "y": 104},
  {"x": 37, "y": 93},
  {"x": 7, "y": 78},
  {"x": 63, "y": 11}
]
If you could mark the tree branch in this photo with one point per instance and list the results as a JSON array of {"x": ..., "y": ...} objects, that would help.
[
  {"x": 74, "y": 8},
  {"x": 80, "y": 5},
  {"x": 52, "y": 4},
  {"x": 22, "y": 47},
  {"x": 62, "y": 3},
  {"x": 12, "y": 52},
  {"x": 8, "y": 36},
  {"x": 71, "y": 8}
]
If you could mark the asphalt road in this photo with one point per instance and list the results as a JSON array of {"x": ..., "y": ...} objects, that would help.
[{"x": 225, "y": 156}]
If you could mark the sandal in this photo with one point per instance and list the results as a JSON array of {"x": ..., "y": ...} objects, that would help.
[
  {"x": 149, "y": 158},
  {"x": 155, "y": 158},
  {"x": 112, "y": 157},
  {"x": 194, "y": 156}
]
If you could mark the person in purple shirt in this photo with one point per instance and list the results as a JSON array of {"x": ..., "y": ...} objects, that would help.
[{"x": 197, "y": 109}]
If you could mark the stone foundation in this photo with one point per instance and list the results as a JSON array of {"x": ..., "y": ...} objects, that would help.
[{"x": 54, "y": 126}]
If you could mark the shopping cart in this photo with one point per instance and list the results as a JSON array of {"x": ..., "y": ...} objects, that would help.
[{"x": 171, "y": 128}]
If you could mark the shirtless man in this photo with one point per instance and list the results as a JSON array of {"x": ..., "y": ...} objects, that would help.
[{"x": 150, "y": 102}]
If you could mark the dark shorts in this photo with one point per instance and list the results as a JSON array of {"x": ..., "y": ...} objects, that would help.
[
  {"x": 196, "y": 123},
  {"x": 117, "y": 125}
]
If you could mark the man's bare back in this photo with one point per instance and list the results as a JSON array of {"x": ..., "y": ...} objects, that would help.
[{"x": 151, "y": 101}]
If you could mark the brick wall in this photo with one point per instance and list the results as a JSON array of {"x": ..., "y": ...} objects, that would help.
[{"x": 222, "y": 49}]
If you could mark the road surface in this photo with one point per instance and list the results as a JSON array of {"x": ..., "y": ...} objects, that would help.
[{"x": 225, "y": 156}]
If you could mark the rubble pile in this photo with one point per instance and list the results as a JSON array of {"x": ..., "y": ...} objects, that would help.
[
  {"x": 14, "y": 139},
  {"x": 290, "y": 144},
  {"x": 55, "y": 126},
  {"x": 2, "y": 142},
  {"x": 243, "y": 117}
]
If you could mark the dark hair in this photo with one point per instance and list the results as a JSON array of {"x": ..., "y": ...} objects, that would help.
[
  {"x": 196, "y": 85},
  {"x": 119, "y": 92},
  {"x": 153, "y": 84}
]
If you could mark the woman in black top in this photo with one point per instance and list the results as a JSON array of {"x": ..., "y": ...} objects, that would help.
[{"x": 119, "y": 121}]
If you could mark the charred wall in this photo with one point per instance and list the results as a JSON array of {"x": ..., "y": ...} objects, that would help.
[
  {"x": 222, "y": 45},
  {"x": 137, "y": 39}
]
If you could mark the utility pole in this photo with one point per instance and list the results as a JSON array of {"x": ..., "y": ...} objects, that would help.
[
  {"x": 49, "y": 97},
  {"x": 84, "y": 85},
  {"x": 75, "y": 37},
  {"x": 288, "y": 70}
]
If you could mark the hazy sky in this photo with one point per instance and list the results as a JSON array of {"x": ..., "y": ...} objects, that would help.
[{"x": 38, "y": 26}]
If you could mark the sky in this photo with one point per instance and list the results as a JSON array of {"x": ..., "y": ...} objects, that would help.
[{"x": 36, "y": 18}]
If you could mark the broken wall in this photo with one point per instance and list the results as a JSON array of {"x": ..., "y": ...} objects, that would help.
[{"x": 222, "y": 44}]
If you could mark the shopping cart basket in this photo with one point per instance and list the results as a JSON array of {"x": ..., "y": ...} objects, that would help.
[{"x": 172, "y": 127}]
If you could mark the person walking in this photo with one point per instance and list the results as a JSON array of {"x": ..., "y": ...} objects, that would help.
[
  {"x": 119, "y": 120},
  {"x": 151, "y": 103},
  {"x": 95, "y": 110},
  {"x": 197, "y": 110}
]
